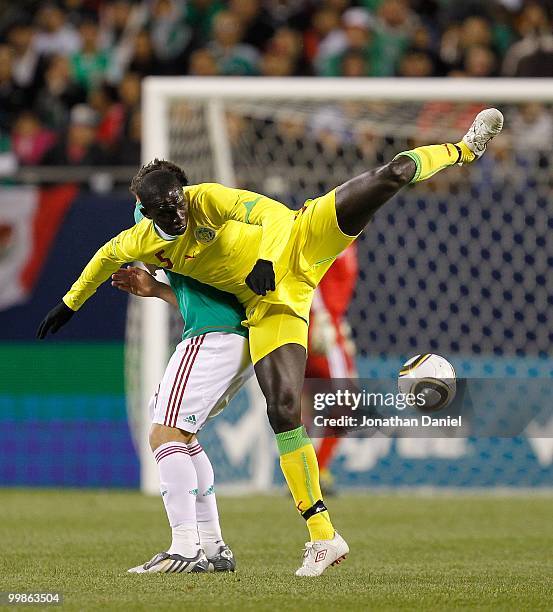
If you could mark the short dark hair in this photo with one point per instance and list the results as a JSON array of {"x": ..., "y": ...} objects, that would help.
[
  {"x": 158, "y": 164},
  {"x": 156, "y": 186}
]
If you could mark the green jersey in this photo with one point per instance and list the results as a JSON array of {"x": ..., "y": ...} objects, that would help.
[{"x": 204, "y": 308}]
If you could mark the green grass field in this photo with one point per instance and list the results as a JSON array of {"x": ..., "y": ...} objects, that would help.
[{"x": 407, "y": 553}]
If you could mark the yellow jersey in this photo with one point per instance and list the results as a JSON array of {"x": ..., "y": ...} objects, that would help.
[{"x": 228, "y": 231}]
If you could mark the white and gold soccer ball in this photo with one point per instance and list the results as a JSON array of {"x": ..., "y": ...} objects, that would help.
[{"x": 431, "y": 379}]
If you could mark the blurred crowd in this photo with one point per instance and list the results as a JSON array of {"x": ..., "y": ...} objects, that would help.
[{"x": 70, "y": 71}]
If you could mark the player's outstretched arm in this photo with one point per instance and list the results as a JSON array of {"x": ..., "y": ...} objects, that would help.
[
  {"x": 103, "y": 264},
  {"x": 142, "y": 284}
]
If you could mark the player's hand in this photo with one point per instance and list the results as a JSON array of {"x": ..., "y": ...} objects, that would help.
[
  {"x": 135, "y": 281},
  {"x": 262, "y": 277},
  {"x": 56, "y": 318}
]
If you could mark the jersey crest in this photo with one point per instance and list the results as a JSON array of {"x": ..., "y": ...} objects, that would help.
[{"x": 204, "y": 234}]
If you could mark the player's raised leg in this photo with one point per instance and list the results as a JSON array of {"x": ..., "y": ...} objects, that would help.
[{"x": 358, "y": 199}]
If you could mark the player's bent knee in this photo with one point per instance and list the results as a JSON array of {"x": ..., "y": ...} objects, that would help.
[
  {"x": 399, "y": 171},
  {"x": 284, "y": 411},
  {"x": 161, "y": 434}
]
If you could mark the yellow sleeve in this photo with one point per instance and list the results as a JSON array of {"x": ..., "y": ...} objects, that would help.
[
  {"x": 221, "y": 204},
  {"x": 107, "y": 260}
]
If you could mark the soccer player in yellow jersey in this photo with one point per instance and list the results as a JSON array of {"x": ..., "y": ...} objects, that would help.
[{"x": 271, "y": 259}]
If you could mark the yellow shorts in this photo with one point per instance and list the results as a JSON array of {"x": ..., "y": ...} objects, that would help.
[
  {"x": 281, "y": 318},
  {"x": 276, "y": 327}
]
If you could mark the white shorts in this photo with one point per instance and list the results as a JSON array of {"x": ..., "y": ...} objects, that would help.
[{"x": 202, "y": 376}]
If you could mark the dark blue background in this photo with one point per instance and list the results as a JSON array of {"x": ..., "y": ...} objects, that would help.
[{"x": 90, "y": 222}]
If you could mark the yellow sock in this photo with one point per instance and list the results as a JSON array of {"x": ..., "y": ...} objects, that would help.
[
  {"x": 431, "y": 159},
  {"x": 467, "y": 156},
  {"x": 301, "y": 470}
]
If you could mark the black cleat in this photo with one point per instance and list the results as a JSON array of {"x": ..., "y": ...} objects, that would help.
[{"x": 223, "y": 561}]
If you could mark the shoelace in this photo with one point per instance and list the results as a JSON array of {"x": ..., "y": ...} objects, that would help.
[
  {"x": 475, "y": 138},
  {"x": 308, "y": 551}
]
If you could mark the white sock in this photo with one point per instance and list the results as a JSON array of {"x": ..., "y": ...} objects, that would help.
[
  {"x": 179, "y": 488},
  {"x": 206, "y": 503}
]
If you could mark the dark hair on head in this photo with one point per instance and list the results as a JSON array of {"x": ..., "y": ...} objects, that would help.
[
  {"x": 156, "y": 186},
  {"x": 158, "y": 164}
]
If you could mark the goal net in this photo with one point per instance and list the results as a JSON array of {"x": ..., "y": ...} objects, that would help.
[{"x": 457, "y": 265}]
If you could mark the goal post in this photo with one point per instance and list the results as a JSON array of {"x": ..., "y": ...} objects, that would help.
[
  {"x": 295, "y": 138},
  {"x": 157, "y": 90}
]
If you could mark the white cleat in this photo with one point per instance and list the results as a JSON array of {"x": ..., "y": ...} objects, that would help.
[
  {"x": 484, "y": 128},
  {"x": 321, "y": 554},
  {"x": 164, "y": 563}
]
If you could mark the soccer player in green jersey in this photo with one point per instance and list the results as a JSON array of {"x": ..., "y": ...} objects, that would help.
[{"x": 213, "y": 340}]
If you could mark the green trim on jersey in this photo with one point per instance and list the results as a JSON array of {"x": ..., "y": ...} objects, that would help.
[
  {"x": 249, "y": 207},
  {"x": 203, "y": 308}
]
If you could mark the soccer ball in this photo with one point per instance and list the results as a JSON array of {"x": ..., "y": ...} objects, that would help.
[{"x": 431, "y": 377}]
